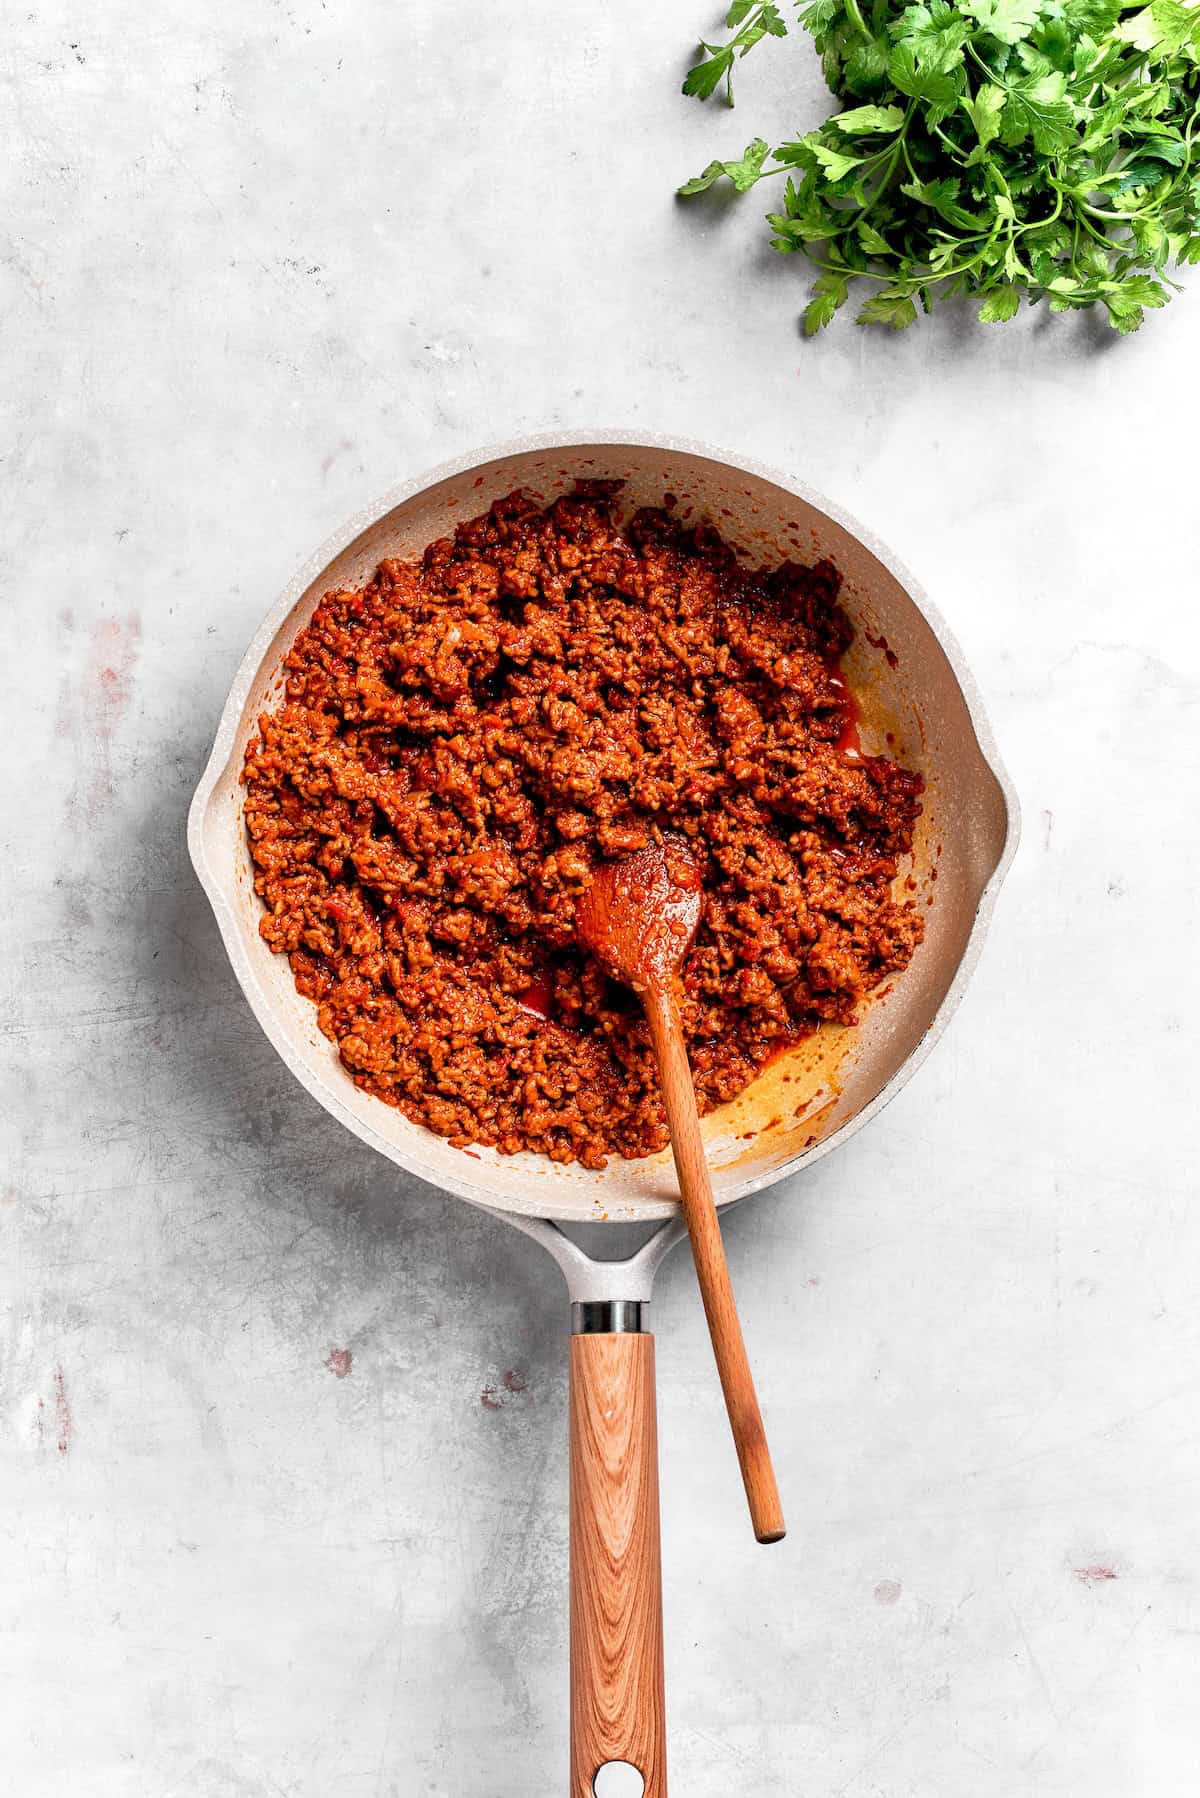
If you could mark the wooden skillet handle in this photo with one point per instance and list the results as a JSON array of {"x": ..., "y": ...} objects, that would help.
[{"x": 617, "y": 1706}]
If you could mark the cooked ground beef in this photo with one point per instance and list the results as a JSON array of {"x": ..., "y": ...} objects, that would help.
[{"x": 462, "y": 738}]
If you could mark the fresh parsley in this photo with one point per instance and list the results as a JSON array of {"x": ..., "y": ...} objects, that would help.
[{"x": 997, "y": 149}]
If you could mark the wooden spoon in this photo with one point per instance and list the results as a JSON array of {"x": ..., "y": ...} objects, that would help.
[{"x": 639, "y": 919}]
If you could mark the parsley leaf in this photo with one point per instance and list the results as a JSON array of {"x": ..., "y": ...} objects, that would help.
[
  {"x": 893, "y": 307},
  {"x": 921, "y": 81},
  {"x": 1036, "y": 107},
  {"x": 985, "y": 109},
  {"x": 1001, "y": 304},
  {"x": 1164, "y": 27},
  {"x": 829, "y": 292},
  {"x": 836, "y": 163},
  {"x": 706, "y": 77},
  {"x": 756, "y": 19},
  {"x": 936, "y": 32},
  {"x": 743, "y": 173},
  {"x": 1007, "y": 20},
  {"x": 870, "y": 118}
]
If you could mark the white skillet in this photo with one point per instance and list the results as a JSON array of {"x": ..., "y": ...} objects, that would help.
[{"x": 914, "y": 685}]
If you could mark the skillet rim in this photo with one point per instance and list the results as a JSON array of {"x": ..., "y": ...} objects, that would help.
[{"x": 362, "y": 520}]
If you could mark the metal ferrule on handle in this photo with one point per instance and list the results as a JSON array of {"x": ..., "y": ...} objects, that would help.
[{"x": 608, "y": 1317}]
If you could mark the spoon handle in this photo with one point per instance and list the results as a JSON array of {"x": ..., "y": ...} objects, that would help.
[{"x": 712, "y": 1270}]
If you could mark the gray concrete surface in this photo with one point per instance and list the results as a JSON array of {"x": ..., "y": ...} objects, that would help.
[{"x": 282, "y": 1484}]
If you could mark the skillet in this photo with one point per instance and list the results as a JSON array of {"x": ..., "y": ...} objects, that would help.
[{"x": 917, "y": 696}]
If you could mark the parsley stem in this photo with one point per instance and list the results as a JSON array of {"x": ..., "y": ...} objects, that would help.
[
  {"x": 1122, "y": 218},
  {"x": 1107, "y": 243},
  {"x": 856, "y": 19},
  {"x": 954, "y": 149},
  {"x": 991, "y": 74}
]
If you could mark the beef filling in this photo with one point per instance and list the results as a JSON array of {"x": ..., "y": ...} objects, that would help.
[{"x": 459, "y": 742}]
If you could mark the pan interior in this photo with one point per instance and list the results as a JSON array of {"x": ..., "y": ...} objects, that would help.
[{"x": 912, "y": 704}]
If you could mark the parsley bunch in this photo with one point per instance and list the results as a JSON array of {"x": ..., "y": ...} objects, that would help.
[{"x": 993, "y": 148}]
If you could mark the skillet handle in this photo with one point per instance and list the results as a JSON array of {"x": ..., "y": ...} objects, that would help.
[{"x": 617, "y": 1706}]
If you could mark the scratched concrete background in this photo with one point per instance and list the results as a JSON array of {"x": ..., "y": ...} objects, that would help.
[{"x": 283, "y": 1483}]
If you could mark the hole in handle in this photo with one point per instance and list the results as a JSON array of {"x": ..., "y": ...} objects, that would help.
[{"x": 618, "y": 1779}]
